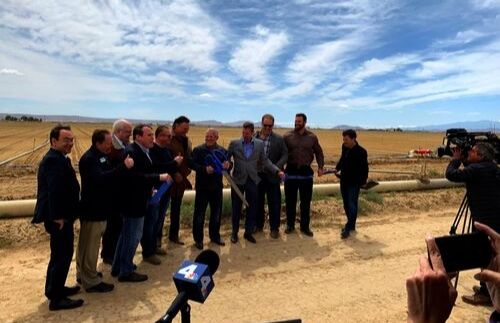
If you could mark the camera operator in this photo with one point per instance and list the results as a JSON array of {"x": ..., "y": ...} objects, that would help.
[
  {"x": 482, "y": 180},
  {"x": 431, "y": 295}
]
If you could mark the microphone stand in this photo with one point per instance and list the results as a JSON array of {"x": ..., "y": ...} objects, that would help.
[{"x": 180, "y": 303}]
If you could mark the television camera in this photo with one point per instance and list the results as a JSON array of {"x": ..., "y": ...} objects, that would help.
[{"x": 461, "y": 138}]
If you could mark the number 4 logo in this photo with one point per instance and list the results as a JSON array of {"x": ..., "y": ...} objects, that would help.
[{"x": 188, "y": 271}]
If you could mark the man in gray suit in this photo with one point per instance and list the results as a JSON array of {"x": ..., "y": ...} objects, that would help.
[
  {"x": 247, "y": 154},
  {"x": 269, "y": 185}
]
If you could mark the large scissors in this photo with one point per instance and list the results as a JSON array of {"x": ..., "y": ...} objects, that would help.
[{"x": 215, "y": 159}]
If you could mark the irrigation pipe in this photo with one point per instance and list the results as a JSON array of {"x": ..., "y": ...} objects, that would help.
[
  {"x": 25, "y": 208},
  {"x": 24, "y": 154}
]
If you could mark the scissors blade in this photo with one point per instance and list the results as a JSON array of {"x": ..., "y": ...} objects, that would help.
[{"x": 235, "y": 188}]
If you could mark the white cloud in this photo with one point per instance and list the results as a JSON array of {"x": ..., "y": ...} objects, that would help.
[
  {"x": 206, "y": 95},
  {"x": 10, "y": 71},
  {"x": 219, "y": 84},
  {"x": 116, "y": 36},
  {"x": 251, "y": 57}
]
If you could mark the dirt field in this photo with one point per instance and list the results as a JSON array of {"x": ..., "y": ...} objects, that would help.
[
  {"x": 320, "y": 279},
  {"x": 387, "y": 152}
]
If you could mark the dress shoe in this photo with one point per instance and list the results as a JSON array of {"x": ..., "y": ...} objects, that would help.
[
  {"x": 234, "y": 237},
  {"x": 344, "y": 234},
  {"x": 160, "y": 252},
  {"x": 275, "y": 234},
  {"x": 65, "y": 304},
  {"x": 70, "y": 291},
  {"x": 198, "y": 245},
  {"x": 477, "y": 299},
  {"x": 307, "y": 232},
  {"x": 177, "y": 241},
  {"x": 133, "y": 278},
  {"x": 102, "y": 287},
  {"x": 79, "y": 280},
  {"x": 219, "y": 242},
  {"x": 249, "y": 238},
  {"x": 153, "y": 260},
  {"x": 257, "y": 230},
  {"x": 289, "y": 230}
]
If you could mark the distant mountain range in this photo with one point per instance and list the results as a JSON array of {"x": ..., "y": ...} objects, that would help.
[{"x": 483, "y": 125}]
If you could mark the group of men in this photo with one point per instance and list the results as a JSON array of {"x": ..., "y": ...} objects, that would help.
[{"x": 126, "y": 188}]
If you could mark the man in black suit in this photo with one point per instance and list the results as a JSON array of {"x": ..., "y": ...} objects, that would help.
[
  {"x": 97, "y": 175},
  {"x": 56, "y": 206},
  {"x": 137, "y": 189},
  {"x": 269, "y": 185},
  {"x": 208, "y": 187}
]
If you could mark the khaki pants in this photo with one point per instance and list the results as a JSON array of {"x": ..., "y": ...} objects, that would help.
[{"x": 87, "y": 253}]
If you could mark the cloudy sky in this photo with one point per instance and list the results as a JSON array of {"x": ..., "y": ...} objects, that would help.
[{"x": 358, "y": 62}]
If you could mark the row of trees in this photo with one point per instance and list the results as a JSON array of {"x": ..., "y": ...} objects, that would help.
[{"x": 22, "y": 118}]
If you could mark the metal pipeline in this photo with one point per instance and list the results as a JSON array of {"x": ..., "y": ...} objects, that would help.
[{"x": 25, "y": 208}]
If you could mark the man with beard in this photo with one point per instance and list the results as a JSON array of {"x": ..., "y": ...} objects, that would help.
[
  {"x": 269, "y": 185},
  {"x": 180, "y": 145},
  {"x": 303, "y": 146}
]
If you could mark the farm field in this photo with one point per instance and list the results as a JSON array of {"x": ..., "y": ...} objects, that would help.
[{"x": 387, "y": 151}]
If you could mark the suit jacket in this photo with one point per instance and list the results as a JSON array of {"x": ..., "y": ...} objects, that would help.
[
  {"x": 99, "y": 177},
  {"x": 203, "y": 179},
  {"x": 58, "y": 190},
  {"x": 277, "y": 154},
  {"x": 353, "y": 165},
  {"x": 137, "y": 183},
  {"x": 248, "y": 167},
  {"x": 181, "y": 145}
]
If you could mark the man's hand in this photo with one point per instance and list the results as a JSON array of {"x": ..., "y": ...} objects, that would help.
[
  {"x": 209, "y": 169},
  {"x": 491, "y": 275},
  {"x": 178, "y": 159},
  {"x": 430, "y": 294},
  {"x": 60, "y": 223},
  {"x": 226, "y": 164},
  {"x": 165, "y": 177},
  {"x": 129, "y": 162},
  {"x": 282, "y": 175},
  {"x": 457, "y": 153},
  {"x": 320, "y": 172}
]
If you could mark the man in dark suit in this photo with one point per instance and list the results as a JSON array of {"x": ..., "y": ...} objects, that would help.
[
  {"x": 155, "y": 216},
  {"x": 208, "y": 188},
  {"x": 97, "y": 176},
  {"x": 137, "y": 189},
  {"x": 122, "y": 129},
  {"x": 247, "y": 153},
  {"x": 269, "y": 185},
  {"x": 56, "y": 206}
]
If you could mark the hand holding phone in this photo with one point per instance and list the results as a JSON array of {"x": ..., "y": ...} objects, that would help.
[{"x": 464, "y": 251}]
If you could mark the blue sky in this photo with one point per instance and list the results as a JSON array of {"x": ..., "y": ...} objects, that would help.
[{"x": 359, "y": 62}]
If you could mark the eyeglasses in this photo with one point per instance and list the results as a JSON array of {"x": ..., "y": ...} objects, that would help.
[{"x": 267, "y": 125}]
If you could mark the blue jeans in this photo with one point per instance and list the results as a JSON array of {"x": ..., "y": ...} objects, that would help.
[
  {"x": 150, "y": 232},
  {"x": 250, "y": 191},
  {"x": 350, "y": 195},
  {"x": 123, "y": 264}
]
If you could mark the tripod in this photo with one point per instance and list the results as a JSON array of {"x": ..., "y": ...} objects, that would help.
[{"x": 464, "y": 217}]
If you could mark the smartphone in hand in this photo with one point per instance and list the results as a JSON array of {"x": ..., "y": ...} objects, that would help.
[{"x": 464, "y": 251}]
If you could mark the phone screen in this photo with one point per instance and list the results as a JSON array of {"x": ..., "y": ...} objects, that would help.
[{"x": 464, "y": 251}]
